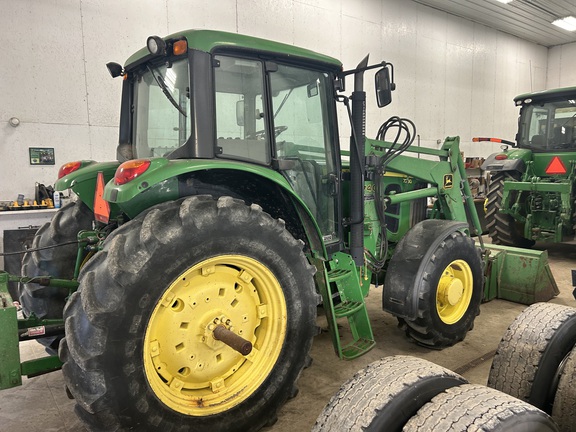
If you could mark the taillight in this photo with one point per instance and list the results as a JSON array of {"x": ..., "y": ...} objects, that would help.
[
  {"x": 501, "y": 156},
  {"x": 68, "y": 168},
  {"x": 129, "y": 170}
]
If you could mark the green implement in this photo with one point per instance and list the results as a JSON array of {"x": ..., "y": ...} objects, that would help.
[
  {"x": 15, "y": 330},
  {"x": 518, "y": 275}
]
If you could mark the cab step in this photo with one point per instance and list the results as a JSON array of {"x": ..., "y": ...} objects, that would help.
[{"x": 343, "y": 298}]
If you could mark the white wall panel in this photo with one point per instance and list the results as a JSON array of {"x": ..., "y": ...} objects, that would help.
[
  {"x": 42, "y": 71},
  {"x": 561, "y": 67},
  {"x": 103, "y": 140},
  {"x": 458, "y": 94},
  {"x": 484, "y": 72},
  {"x": 453, "y": 76},
  {"x": 17, "y": 176},
  {"x": 318, "y": 29},
  {"x": 108, "y": 38},
  {"x": 430, "y": 88},
  {"x": 187, "y": 14},
  {"x": 268, "y": 19},
  {"x": 365, "y": 10}
]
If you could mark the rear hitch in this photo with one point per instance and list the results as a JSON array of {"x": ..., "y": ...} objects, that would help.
[{"x": 14, "y": 330}]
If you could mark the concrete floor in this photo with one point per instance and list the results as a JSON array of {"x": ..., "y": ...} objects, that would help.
[{"x": 40, "y": 404}]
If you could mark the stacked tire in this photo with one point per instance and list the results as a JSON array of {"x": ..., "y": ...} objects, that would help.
[
  {"x": 531, "y": 386},
  {"x": 536, "y": 361},
  {"x": 402, "y": 393}
]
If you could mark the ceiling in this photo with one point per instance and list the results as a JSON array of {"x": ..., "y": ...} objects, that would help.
[{"x": 528, "y": 19}]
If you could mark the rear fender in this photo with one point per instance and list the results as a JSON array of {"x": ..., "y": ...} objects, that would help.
[
  {"x": 83, "y": 181},
  {"x": 167, "y": 180},
  {"x": 494, "y": 165}
]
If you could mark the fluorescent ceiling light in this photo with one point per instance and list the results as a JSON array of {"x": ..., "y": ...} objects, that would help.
[
  {"x": 568, "y": 23},
  {"x": 504, "y": 1}
]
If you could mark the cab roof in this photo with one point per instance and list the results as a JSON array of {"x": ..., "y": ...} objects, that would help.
[
  {"x": 211, "y": 40},
  {"x": 557, "y": 93}
]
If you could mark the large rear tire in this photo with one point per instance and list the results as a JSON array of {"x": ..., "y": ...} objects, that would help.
[
  {"x": 140, "y": 353},
  {"x": 385, "y": 395},
  {"x": 472, "y": 407},
  {"x": 529, "y": 356},
  {"x": 502, "y": 228},
  {"x": 434, "y": 283}
]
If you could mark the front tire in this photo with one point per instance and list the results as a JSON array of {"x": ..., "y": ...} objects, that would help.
[
  {"x": 139, "y": 351},
  {"x": 434, "y": 283}
]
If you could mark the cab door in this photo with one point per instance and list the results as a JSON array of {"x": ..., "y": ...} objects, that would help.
[{"x": 305, "y": 137}]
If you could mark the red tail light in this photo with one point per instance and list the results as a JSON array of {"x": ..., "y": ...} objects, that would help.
[
  {"x": 68, "y": 168},
  {"x": 501, "y": 156},
  {"x": 129, "y": 170}
]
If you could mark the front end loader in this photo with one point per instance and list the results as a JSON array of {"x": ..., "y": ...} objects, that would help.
[{"x": 202, "y": 254}]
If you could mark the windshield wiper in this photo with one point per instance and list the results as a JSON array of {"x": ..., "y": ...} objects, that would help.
[
  {"x": 283, "y": 102},
  {"x": 160, "y": 81}
]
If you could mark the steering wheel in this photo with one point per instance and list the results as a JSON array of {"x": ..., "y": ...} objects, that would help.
[{"x": 262, "y": 133}]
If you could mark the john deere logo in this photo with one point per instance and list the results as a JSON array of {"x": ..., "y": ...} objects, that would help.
[{"x": 448, "y": 181}]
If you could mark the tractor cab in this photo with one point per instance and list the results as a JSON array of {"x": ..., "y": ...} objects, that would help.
[{"x": 547, "y": 121}]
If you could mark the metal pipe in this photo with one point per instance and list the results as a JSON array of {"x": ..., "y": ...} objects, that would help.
[{"x": 357, "y": 151}]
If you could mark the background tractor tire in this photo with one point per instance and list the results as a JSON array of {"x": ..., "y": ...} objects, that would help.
[
  {"x": 385, "y": 395},
  {"x": 502, "y": 228},
  {"x": 434, "y": 283},
  {"x": 472, "y": 407},
  {"x": 140, "y": 352},
  {"x": 528, "y": 358},
  {"x": 58, "y": 262},
  {"x": 564, "y": 409}
]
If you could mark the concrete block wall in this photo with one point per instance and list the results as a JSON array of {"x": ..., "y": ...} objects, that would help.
[{"x": 453, "y": 77}]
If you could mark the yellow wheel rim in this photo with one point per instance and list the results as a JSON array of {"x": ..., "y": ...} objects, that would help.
[
  {"x": 187, "y": 368},
  {"x": 454, "y": 291}
]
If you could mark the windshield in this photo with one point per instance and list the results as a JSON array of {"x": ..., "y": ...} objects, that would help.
[
  {"x": 161, "y": 109},
  {"x": 548, "y": 126}
]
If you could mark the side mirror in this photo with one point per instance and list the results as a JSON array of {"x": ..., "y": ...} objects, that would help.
[
  {"x": 384, "y": 87},
  {"x": 115, "y": 69}
]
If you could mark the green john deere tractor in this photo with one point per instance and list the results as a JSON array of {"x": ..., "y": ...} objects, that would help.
[
  {"x": 531, "y": 194},
  {"x": 189, "y": 271}
]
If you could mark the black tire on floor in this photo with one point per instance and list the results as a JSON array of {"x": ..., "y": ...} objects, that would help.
[
  {"x": 473, "y": 407},
  {"x": 564, "y": 409},
  {"x": 531, "y": 351},
  {"x": 502, "y": 228},
  {"x": 385, "y": 395},
  {"x": 59, "y": 262},
  {"x": 434, "y": 283},
  {"x": 140, "y": 353}
]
